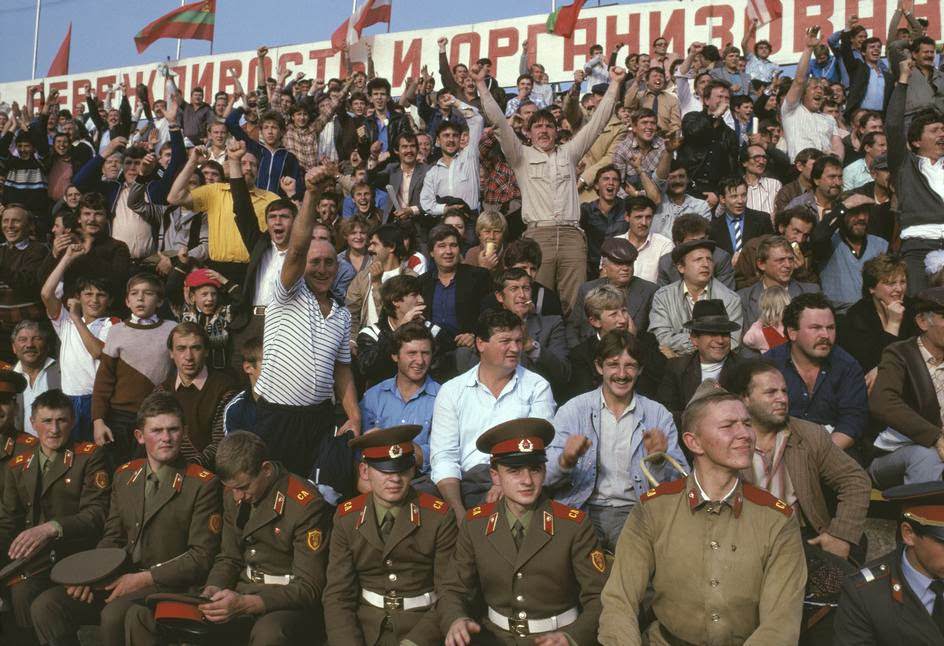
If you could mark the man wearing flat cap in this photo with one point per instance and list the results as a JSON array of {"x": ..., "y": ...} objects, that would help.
[
  {"x": 672, "y": 305},
  {"x": 710, "y": 331},
  {"x": 533, "y": 561},
  {"x": 908, "y": 398},
  {"x": 618, "y": 257},
  {"x": 390, "y": 550},
  {"x": 899, "y": 598}
]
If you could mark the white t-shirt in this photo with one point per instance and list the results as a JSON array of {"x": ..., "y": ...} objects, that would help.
[{"x": 78, "y": 367}]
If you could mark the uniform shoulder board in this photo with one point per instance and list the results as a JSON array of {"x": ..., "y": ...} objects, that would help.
[
  {"x": 563, "y": 511},
  {"x": 196, "y": 471},
  {"x": 299, "y": 491},
  {"x": 84, "y": 448},
  {"x": 765, "y": 499},
  {"x": 666, "y": 488},
  {"x": 134, "y": 464},
  {"x": 871, "y": 573},
  {"x": 432, "y": 502},
  {"x": 19, "y": 461},
  {"x": 481, "y": 511},
  {"x": 352, "y": 505},
  {"x": 25, "y": 439}
]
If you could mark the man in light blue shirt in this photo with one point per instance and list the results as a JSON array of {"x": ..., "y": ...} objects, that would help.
[
  {"x": 498, "y": 389},
  {"x": 456, "y": 173}
]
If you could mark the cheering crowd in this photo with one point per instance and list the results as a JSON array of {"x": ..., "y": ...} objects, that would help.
[{"x": 479, "y": 366}]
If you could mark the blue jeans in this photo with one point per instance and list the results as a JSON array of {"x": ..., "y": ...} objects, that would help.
[{"x": 82, "y": 408}]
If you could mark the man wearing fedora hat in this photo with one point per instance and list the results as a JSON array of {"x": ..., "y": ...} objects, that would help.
[
  {"x": 899, "y": 598},
  {"x": 710, "y": 332},
  {"x": 673, "y": 304},
  {"x": 533, "y": 561},
  {"x": 390, "y": 549}
]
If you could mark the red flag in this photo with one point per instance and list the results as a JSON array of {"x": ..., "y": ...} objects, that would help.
[
  {"x": 764, "y": 11},
  {"x": 192, "y": 22},
  {"x": 563, "y": 21},
  {"x": 60, "y": 64},
  {"x": 370, "y": 13}
]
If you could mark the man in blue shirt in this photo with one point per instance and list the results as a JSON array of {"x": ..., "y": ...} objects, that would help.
[{"x": 825, "y": 384}]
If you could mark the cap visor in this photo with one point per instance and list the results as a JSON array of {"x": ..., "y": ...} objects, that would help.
[
  {"x": 521, "y": 459},
  {"x": 394, "y": 465}
]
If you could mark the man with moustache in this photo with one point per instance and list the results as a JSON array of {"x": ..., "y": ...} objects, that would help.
[
  {"x": 55, "y": 499},
  {"x": 842, "y": 245},
  {"x": 826, "y": 177},
  {"x": 676, "y": 203},
  {"x": 825, "y": 384},
  {"x": 724, "y": 558},
  {"x": 533, "y": 561},
  {"x": 390, "y": 550}
]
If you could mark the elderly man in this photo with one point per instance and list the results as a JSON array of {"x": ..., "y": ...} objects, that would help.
[
  {"x": 672, "y": 305},
  {"x": 31, "y": 346},
  {"x": 750, "y": 562},
  {"x": 498, "y": 389},
  {"x": 690, "y": 227},
  {"x": 776, "y": 262},
  {"x": 20, "y": 256},
  {"x": 710, "y": 331},
  {"x": 546, "y": 174},
  {"x": 619, "y": 427}
]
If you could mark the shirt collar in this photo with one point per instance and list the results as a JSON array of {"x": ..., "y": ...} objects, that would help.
[
  {"x": 927, "y": 356},
  {"x": 19, "y": 367},
  {"x": 697, "y": 497},
  {"x": 729, "y": 217},
  {"x": 626, "y": 411},
  {"x": 151, "y": 320},
  {"x": 199, "y": 381},
  {"x": 918, "y": 582},
  {"x": 21, "y": 245}
]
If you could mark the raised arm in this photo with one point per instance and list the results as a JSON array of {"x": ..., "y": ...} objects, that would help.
[
  {"x": 300, "y": 240},
  {"x": 749, "y": 34},
  {"x": 795, "y": 93},
  {"x": 507, "y": 137},
  {"x": 895, "y": 120},
  {"x": 179, "y": 194}
]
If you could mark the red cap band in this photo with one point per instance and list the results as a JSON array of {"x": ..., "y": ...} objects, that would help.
[
  {"x": 519, "y": 445},
  {"x": 390, "y": 452},
  {"x": 177, "y": 610}
]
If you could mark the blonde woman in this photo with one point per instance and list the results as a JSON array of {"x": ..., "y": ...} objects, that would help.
[{"x": 767, "y": 331}]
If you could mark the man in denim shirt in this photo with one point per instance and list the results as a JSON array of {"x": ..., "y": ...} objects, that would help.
[{"x": 601, "y": 437}]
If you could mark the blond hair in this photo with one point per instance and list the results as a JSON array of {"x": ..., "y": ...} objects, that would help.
[
  {"x": 773, "y": 302},
  {"x": 491, "y": 220}
]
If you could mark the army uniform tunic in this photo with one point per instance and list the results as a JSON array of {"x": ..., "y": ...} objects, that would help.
[
  {"x": 724, "y": 573},
  {"x": 558, "y": 568},
  {"x": 878, "y": 608},
  {"x": 72, "y": 493},
  {"x": 172, "y": 531},
  {"x": 412, "y": 562},
  {"x": 12, "y": 444}
]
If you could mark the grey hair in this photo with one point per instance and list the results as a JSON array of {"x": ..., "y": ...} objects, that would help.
[{"x": 28, "y": 324}]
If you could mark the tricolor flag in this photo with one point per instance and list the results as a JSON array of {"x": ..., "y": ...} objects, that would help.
[
  {"x": 370, "y": 13},
  {"x": 191, "y": 22},
  {"x": 764, "y": 11},
  {"x": 60, "y": 64},
  {"x": 563, "y": 21}
]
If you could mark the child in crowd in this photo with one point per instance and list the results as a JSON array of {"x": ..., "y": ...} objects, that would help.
[
  {"x": 134, "y": 362},
  {"x": 767, "y": 331},
  {"x": 82, "y": 327},
  {"x": 275, "y": 161},
  {"x": 204, "y": 306},
  {"x": 240, "y": 412}
]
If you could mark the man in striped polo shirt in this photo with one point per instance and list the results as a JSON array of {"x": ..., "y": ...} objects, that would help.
[{"x": 306, "y": 352}]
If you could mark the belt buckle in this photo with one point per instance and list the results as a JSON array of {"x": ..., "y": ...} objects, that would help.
[
  {"x": 519, "y": 627},
  {"x": 256, "y": 577},
  {"x": 393, "y": 602}
]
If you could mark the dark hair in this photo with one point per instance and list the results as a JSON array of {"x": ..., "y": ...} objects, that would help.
[
  {"x": 327, "y": 195},
  {"x": 879, "y": 268},
  {"x": 282, "y": 204},
  {"x": 655, "y": 69},
  {"x": 712, "y": 85},
  {"x": 922, "y": 40},
  {"x": 609, "y": 168},
  {"x": 274, "y": 117},
  {"x": 442, "y": 231},
  {"x": 391, "y": 236},
  {"x": 868, "y": 139},
  {"x": 922, "y": 120},
  {"x": 782, "y": 219},
  {"x": 739, "y": 100},
  {"x": 808, "y": 301},
  {"x": 642, "y": 113},
  {"x": 52, "y": 400},
  {"x": 524, "y": 77},
  {"x": 729, "y": 183},
  {"x": 509, "y": 274},
  {"x": 240, "y": 452},
  {"x": 298, "y": 107},
  {"x": 397, "y": 288},
  {"x": 808, "y": 154},
  {"x": 408, "y": 137},
  {"x": 358, "y": 96},
  {"x": 188, "y": 328},
  {"x": 98, "y": 282},
  {"x": 493, "y": 320},
  {"x": 639, "y": 203},
  {"x": 149, "y": 279},
  {"x": 819, "y": 167},
  {"x": 412, "y": 331},
  {"x": 740, "y": 383},
  {"x": 157, "y": 403},
  {"x": 447, "y": 125},
  {"x": 544, "y": 114},
  {"x": 523, "y": 250},
  {"x": 762, "y": 42},
  {"x": 615, "y": 342},
  {"x": 688, "y": 224},
  {"x": 379, "y": 84},
  {"x": 869, "y": 41},
  {"x": 251, "y": 349},
  {"x": 215, "y": 165},
  {"x": 865, "y": 116}
]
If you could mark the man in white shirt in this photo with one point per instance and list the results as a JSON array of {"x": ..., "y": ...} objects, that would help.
[
  {"x": 456, "y": 174},
  {"x": 651, "y": 246},
  {"x": 31, "y": 347}
]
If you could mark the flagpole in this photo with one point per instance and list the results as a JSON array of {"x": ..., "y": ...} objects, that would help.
[
  {"x": 36, "y": 37},
  {"x": 178, "y": 40}
]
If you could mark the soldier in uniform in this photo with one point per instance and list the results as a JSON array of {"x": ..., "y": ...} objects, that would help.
[
  {"x": 268, "y": 579},
  {"x": 54, "y": 502},
  {"x": 533, "y": 561},
  {"x": 164, "y": 512},
  {"x": 899, "y": 598},
  {"x": 12, "y": 441},
  {"x": 725, "y": 559},
  {"x": 390, "y": 550}
]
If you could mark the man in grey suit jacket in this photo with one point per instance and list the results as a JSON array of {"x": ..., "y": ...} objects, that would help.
[
  {"x": 618, "y": 256},
  {"x": 776, "y": 263},
  {"x": 545, "y": 345},
  {"x": 394, "y": 174},
  {"x": 672, "y": 304}
]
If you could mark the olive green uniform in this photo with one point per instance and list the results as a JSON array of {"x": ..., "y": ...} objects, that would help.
[
  {"x": 724, "y": 573},
  {"x": 13, "y": 443},
  {"x": 168, "y": 521},
  {"x": 69, "y": 489},
  {"x": 559, "y": 567},
  {"x": 411, "y": 562}
]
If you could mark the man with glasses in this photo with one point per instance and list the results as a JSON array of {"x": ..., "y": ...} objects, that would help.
[{"x": 761, "y": 190}]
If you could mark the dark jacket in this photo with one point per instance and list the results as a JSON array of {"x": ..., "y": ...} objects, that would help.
[
  {"x": 108, "y": 258},
  {"x": 709, "y": 153},
  {"x": 472, "y": 284},
  {"x": 682, "y": 377},
  {"x": 861, "y": 333},
  {"x": 859, "y": 75},
  {"x": 756, "y": 224},
  {"x": 903, "y": 395},
  {"x": 392, "y": 175},
  {"x": 258, "y": 242},
  {"x": 639, "y": 295}
]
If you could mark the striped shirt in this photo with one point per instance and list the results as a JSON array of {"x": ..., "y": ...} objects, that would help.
[
  {"x": 300, "y": 347},
  {"x": 762, "y": 195},
  {"x": 805, "y": 129}
]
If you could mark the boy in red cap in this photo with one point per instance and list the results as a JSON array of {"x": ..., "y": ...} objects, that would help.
[{"x": 204, "y": 306}]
